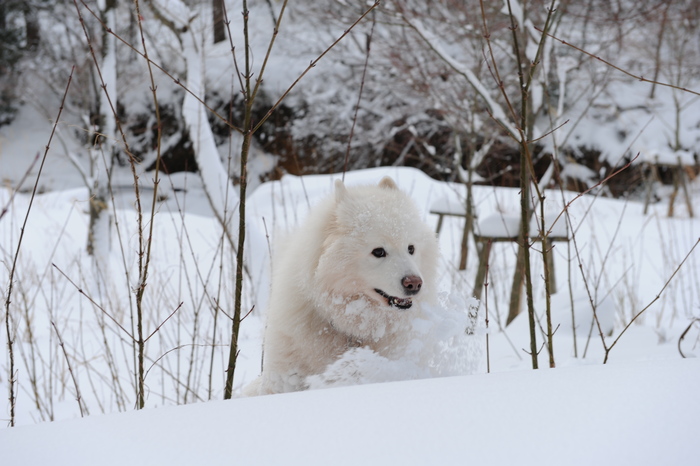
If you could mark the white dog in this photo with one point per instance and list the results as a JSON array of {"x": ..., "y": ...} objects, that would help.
[{"x": 354, "y": 275}]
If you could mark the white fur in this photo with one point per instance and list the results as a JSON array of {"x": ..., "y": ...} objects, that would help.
[{"x": 323, "y": 299}]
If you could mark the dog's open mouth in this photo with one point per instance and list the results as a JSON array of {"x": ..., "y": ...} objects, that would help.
[{"x": 401, "y": 303}]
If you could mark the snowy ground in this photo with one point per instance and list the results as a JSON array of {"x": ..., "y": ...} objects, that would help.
[
  {"x": 636, "y": 414},
  {"x": 640, "y": 408}
]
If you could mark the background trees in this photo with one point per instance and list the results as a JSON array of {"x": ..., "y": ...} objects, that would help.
[{"x": 415, "y": 104}]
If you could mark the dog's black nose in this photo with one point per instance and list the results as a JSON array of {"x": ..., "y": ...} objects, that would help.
[{"x": 411, "y": 284}]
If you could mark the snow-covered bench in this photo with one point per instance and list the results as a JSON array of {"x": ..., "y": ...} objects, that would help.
[
  {"x": 503, "y": 228},
  {"x": 677, "y": 162}
]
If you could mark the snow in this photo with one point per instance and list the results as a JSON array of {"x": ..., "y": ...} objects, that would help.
[
  {"x": 446, "y": 341},
  {"x": 669, "y": 157},
  {"x": 641, "y": 414},
  {"x": 20, "y": 147},
  {"x": 508, "y": 226},
  {"x": 499, "y": 226}
]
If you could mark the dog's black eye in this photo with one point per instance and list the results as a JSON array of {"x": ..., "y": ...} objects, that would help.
[
  {"x": 379, "y": 252},
  {"x": 411, "y": 249}
]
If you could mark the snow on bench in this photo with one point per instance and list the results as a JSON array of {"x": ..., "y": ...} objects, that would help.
[
  {"x": 447, "y": 207},
  {"x": 505, "y": 227},
  {"x": 501, "y": 228},
  {"x": 668, "y": 157}
]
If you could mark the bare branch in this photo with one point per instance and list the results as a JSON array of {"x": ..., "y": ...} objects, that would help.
[
  {"x": 80, "y": 290},
  {"x": 658, "y": 295},
  {"x": 621, "y": 70}
]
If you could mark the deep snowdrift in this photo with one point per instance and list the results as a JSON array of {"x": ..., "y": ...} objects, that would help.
[{"x": 640, "y": 413}]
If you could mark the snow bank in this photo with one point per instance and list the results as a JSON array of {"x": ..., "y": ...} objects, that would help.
[{"x": 641, "y": 414}]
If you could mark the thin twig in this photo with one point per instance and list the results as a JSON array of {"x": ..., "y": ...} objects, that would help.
[
  {"x": 263, "y": 68},
  {"x": 160, "y": 68},
  {"x": 78, "y": 397},
  {"x": 248, "y": 313},
  {"x": 92, "y": 301},
  {"x": 137, "y": 348},
  {"x": 658, "y": 295},
  {"x": 359, "y": 97},
  {"x": 598, "y": 184},
  {"x": 103, "y": 85},
  {"x": 314, "y": 63},
  {"x": 163, "y": 323},
  {"x": 685, "y": 332},
  {"x": 622, "y": 70},
  {"x": 548, "y": 133},
  {"x": 8, "y": 299},
  {"x": 145, "y": 262}
]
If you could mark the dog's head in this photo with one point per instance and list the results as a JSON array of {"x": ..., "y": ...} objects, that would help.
[{"x": 378, "y": 259}]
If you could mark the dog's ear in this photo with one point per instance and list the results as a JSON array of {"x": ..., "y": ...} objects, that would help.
[
  {"x": 387, "y": 183},
  {"x": 340, "y": 191}
]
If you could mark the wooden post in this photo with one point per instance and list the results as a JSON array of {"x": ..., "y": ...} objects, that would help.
[
  {"x": 484, "y": 246},
  {"x": 676, "y": 182},
  {"x": 684, "y": 184},
  {"x": 550, "y": 265},
  {"x": 516, "y": 291},
  {"x": 651, "y": 178}
]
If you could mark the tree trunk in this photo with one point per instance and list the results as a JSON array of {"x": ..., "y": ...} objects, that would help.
[
  {"x": 219, "y": 25},
  {"x": 215, "y": 180},
  {"x": 99, "y": 229}
]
